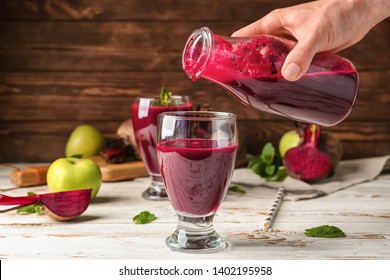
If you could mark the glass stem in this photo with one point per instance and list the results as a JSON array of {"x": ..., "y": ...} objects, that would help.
[
  {"x": 195, "y": 234},
  {"x": 194, "y": 225}
]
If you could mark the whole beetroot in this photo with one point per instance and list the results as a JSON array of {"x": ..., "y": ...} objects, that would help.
[{"x": 307, "y": 162}]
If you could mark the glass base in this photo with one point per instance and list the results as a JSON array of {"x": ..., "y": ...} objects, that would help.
[
  {"x": 156, "y": 190},
  {"x": 195, "y": 234}
]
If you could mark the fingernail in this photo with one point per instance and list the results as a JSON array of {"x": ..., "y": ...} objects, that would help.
[{"x": 292, "y": 71}]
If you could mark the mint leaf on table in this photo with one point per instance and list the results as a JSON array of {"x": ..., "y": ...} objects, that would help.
[
  {"x": 324, "y": 231},
  {"x": 268, "y": 164},
  {"x": 145, "y": 217},
  {"x": 236, "y": 189}
]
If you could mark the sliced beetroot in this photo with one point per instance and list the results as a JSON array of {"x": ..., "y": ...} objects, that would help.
[
  {"x": 68, "y": 204},
  {"x": 306, "y": 162},
  {"x": 62, "y": 206}
]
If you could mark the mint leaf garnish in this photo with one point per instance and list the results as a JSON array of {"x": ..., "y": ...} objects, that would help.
[
  {"x": 165, "y": 97},
  {"x": 324, "y": 231},
  {"x": 268, "y": 164},
  {"x": 236, "y": 189},
  {"x": 144, "y": 217}
]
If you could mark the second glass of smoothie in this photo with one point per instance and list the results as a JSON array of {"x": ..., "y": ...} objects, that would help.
[{"x": 145, "y": 113}]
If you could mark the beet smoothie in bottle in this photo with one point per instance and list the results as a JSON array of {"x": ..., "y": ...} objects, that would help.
[{"x": 250, "y": 69}]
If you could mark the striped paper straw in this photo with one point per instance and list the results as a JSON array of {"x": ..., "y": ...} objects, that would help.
[{"x": 274, "y": 208}]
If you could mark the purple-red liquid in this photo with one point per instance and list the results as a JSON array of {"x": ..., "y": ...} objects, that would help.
[
  {"x": 196, "y": 173},
  {"x": 328, "y": 105},
  {"x": 145, "y": 130},
  {"x": 250, "y": 70}
]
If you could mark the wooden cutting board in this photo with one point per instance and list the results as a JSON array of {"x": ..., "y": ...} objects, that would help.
[
  {"x": 36, "y": 175},
  {"x": 120, "y": 171}
]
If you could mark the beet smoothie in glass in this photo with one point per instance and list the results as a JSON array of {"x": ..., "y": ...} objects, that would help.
[
  {"x": 250, "y": 69},
  {"x": 145, "y": 113},
  {"x": 196, "y": 173},
  {"x": 196, "y": 153}
]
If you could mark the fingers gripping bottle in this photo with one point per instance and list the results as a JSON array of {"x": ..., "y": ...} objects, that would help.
[{"x": 250, "y": 69}]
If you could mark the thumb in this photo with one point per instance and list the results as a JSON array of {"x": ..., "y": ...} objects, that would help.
[{"x": 297, "y": 62}]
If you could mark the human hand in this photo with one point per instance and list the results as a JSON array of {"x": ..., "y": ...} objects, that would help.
[{"x": 325, "y": 25}]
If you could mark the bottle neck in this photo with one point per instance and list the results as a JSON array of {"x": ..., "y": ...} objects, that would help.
[{"x": 197, "y": 52}]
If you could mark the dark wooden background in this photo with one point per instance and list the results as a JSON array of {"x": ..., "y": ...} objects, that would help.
[{"x": 63, "y": 63}]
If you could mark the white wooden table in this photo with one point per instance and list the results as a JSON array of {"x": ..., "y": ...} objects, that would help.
[{"x": 106, "y": 230}]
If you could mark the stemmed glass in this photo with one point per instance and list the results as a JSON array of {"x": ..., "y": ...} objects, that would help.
[
  {"x": 144, "y": 117},
  {"x": 196, "y": 153}
]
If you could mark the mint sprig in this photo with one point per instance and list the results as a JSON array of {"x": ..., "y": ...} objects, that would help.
[
  {"x": 165, "y": 98},
  {"x": 31, "y": 208},
  {"x": 144, "y": 217},
  {"x": 268, "y": 164}
]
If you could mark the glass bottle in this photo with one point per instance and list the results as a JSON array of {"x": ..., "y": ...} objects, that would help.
[{"x": 250, "y": 69}]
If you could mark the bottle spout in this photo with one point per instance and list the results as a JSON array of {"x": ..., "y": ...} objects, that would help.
[{"x": 197, "y": 52}]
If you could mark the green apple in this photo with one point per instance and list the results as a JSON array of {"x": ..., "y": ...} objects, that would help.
[
  {"x": 66, "y": 174},
  {"x": 85, "y": 140},
  {"x": 289, "y": 140}
]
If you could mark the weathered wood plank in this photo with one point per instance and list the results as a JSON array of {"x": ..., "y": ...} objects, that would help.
[
  {"x": 191, "y": 10},
  {"x": 42, "y": 141},
  {"x": 100, "y": 108},
  {"x": 152, "y": 46},
  {"x": 84, "y": 96},
  {"x": 131, "y": 83},
  {"x": 77, "y": 108},
  {"x": 362, "y": 139}
]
